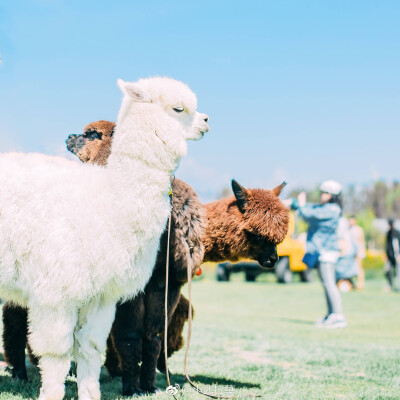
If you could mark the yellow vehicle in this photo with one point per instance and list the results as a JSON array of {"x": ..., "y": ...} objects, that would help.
[{"x": 291, "y": 252}]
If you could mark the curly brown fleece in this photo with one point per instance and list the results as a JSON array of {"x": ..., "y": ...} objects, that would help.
[{"x": 97, "y": 151}]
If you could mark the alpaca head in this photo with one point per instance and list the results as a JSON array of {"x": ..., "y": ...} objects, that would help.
[
  {"x": 156, "y": 118},
  {"x": 173, "y": 97},
  {"x": 265, "y": 221},
  {"x": 94, "y": 145}
]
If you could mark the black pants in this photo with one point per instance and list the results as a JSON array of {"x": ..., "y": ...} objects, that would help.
[{"x": 392, "y": 272}]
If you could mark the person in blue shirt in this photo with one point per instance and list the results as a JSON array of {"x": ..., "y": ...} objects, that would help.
[{"x": 322, "y": 241}]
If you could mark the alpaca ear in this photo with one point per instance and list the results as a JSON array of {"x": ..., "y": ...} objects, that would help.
[
  {"x": 133, "y": 91},
  {"x": 277, "y": 190},
  {"x": 241, "y": 195}
]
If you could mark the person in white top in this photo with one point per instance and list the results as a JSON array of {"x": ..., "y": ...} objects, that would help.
[
  {"x": 359, "y": 238},
  {"x": 346, "y": 267}
]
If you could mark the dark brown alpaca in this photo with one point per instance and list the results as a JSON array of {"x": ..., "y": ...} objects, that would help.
[
  {"x": 247, "y": 225},
  {"x": 135, "y": 333}
]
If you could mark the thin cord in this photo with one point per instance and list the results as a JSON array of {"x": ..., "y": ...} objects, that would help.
[
  {"x": 166, "y": 310},
  {"x": 189, "y": 333}
]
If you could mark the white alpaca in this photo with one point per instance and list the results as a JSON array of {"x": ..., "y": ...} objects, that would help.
[{"x": 49, "y": 207}]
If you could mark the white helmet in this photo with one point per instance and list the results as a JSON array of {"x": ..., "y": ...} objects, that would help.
[{"x": 331, "y": 187}]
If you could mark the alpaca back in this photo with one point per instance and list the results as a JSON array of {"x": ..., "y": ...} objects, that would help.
[{"x": 70, "y": 223}]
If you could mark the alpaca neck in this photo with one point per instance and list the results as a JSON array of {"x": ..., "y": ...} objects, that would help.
[
  {"x": 130, "y": 170},
  {"x": 140, "y": 162}
]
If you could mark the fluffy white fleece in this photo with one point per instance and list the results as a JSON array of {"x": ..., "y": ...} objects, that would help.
[{"x": 75, "y": 238}]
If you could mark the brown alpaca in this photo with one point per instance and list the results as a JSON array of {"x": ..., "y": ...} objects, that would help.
[
  {"x": 94, "y": 146},
  {"x": 248, "y": 224}
]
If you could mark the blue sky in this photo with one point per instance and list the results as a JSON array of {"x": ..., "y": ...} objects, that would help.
[{"x": 295, "y": 90}]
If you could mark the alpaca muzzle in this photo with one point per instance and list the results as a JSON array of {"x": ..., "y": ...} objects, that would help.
[
  {"x": 200, "y": 126},
  {"x": 269, "y": 258},
  {"x": 75, "y": 143},
  {"x": 204, "y": 128}
]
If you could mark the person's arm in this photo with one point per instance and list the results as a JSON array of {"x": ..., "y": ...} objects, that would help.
[{"x": 309, "y": 212}]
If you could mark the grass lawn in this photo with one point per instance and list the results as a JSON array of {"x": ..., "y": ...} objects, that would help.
[{"x": 259, "y": 338}]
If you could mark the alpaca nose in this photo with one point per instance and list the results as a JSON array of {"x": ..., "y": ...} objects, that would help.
[{"x": 274, "y": 257}]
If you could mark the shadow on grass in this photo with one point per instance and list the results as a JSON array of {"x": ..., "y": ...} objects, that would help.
[
  {"x": 297, "y": 321},
  {"x": 30, "y": 389},
  {"x": 26, "y": 390},
  {"x": 213, "y": 380},
  {"x": 111, "y": 387}
]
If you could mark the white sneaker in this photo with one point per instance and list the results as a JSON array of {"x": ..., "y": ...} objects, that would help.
[{"x": 335, "y": 321}]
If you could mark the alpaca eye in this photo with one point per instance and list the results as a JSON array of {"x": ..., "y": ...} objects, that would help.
[
  {"x": 178, "y": 109},
  {"x": 92, "y": 135}
]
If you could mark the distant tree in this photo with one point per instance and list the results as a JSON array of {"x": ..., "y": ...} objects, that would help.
[
  {"x": 373, "y": 237},
  {"x": 312, "y": 194},
  {"x": 377, "y": 198},
  {"x": 355, "y": 199},
  {"x": 392, "y": 201}
]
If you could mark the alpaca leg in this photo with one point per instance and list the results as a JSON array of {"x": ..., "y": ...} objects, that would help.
[
  {"x": 176, "y": 325},
  {"x": 32, "y": 358},
  {"x": 175, "y": 332},
  {"x": 113, "y": 363},
  {"x": 51, "y": 338},
  {"x": 161, "y": 359},
  {"x": 127, "y": 335},
  {"x": 130, "y": 347},
  {"x": 151, "y": 352},
  {"x": 94, "y": 325},
  {"x": 15, "y": 331}
]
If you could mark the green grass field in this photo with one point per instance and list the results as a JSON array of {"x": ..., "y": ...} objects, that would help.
[{"x": 259, "y": 338}]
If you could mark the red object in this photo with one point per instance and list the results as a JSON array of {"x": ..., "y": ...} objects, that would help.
[{"x": 199, "y": 272}]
